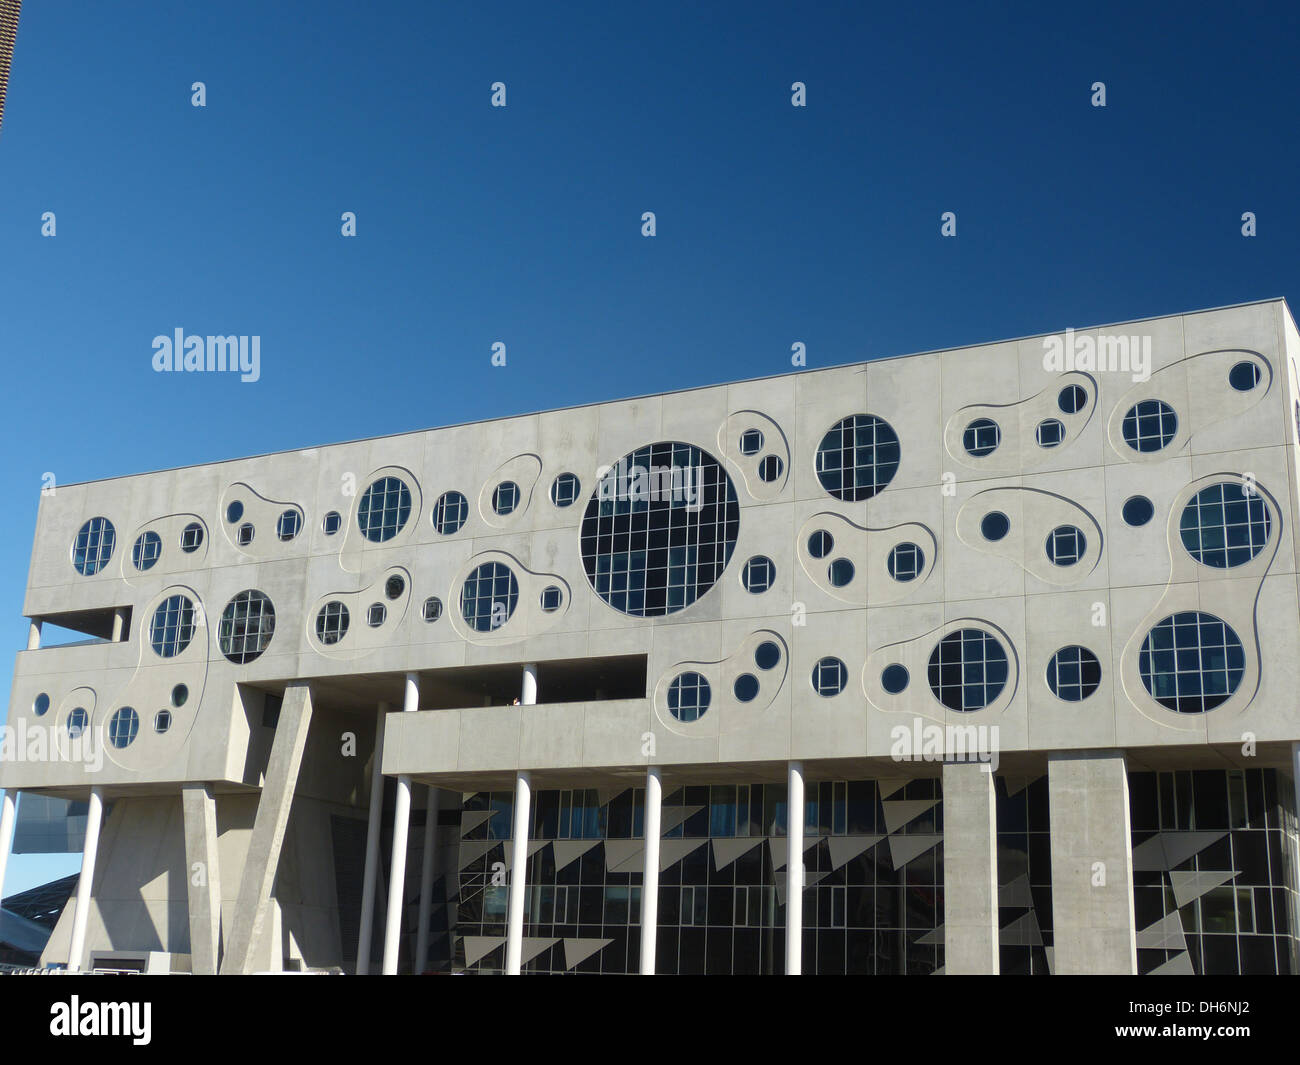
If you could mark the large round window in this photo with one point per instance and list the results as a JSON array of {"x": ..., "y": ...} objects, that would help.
[
  {"x": 1225, "y": 525},
  {"x": 659, "y": 529},
  {"x": 1191, "y": 662},
  {"x": 489, "y": 596},
  {"x": 246, "y": 627},
  {"x": 968, "y": 669},
  {"x": 172, "y": 627},
  {"x": 93, "y": 546},
  {"x": 858, "y": 457},
  {"x": 384, "y": 509}
]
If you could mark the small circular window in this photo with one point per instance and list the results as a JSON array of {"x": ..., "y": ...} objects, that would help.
[
  {"x": 1137, "y": 511},
  {"x": 78, "y": 719},
  {"x": 981, "y": 437},
  {"x": 146, "y": 551},
  {"x": 1244, "y": 376},
  {"x": 767, "y": 655},
  {"x": 1073, "y": 673},
  {"x": 41, "y": 704},
  {"x": 162, "y": 721},
  {"x": 180, "y": 694},
  {"x": 1072, "y": 399},
  {"x": 905, "y": 562},
  {"x": 751, "y": 442},
  {"x": 829, "y": 676},
  {"x": 244, "y": 534},
  {"x": 759, "y": 574},
  {"x": 505, "y": 498},
  {"x": 234, "y": 512},
  {"x": 770, "y": 468},
  {"x": 332, "y": 623},
  {"x": 288, "y": 525},
  {"x": 450, "y": 513},
  {"x": 331, "y": 523},
  {"x": 840, "y": 572},
  {"x": 551, "y": 599},
  {"x": 123, "y": 727},
  {"x": 1066, "y": 545},
  {"x": 432, "y": 608},
  {"x": 688, "y": 697},
  {"x": 1050, "y": 433},
  {"x": 746, "y": 688},
  {"x": 565, "y": 489},
  {"x": 820, "y": 544},
  {"x": 376, "y": 615},
  {"x": 394, "y": 586},
  {"x": 191, "y": 537},
  {"x": 894, "y": 678},
  {"x": 994, "y": 526}
]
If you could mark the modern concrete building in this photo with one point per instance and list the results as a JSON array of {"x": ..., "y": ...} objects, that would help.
[{"x": 975, "y": 660}]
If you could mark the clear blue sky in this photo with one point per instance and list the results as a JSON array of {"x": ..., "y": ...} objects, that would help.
[{"x": 522, "y": 225}]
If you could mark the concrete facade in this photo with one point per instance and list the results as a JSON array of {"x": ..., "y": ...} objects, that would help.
[{"x": 288, "y": 791}]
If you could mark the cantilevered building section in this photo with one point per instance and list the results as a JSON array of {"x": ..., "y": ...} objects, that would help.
[
  {"x": 9, "y": 10},
  {"x": 972, "y": 661}
]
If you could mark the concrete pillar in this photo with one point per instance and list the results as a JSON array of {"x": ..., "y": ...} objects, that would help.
[
  {"x": 970, "y": 869},
  {"x": 371, "y": 874},
  {"x": 1092, "y": 864},
  {"x": 81, "y": 915},
  {"x": 528, "y": 696},
  {"x": 401, "y": 828},
  {"x": 432, "y": 805},
  {"x": 518, "y": 875},
  {"x": 199, "y": 809},
  {"x": 272, "y": 819},
  {"x": 794, "y": 872},
  {"x": 7, "y": 802},
  {"x": 34, "y": 635},
  {"x": 119, "y": 624},
  {"x": 650, "y": 879}
]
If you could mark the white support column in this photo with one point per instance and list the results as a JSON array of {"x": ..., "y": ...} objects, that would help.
[
  {"x": 371, "y": 875},
  {"x": 34, "y": 635},
  {"x": 432, "y": 805},
  {"x": 401, "y": 827},
  {"x": 1094, "y": 929},
  {"x": 518, "y": 875},
  {"x": 119, "y": 623},
  {"x": 81, "y": 915},
  {"x": 528, "y": 695},
  {"x": 650, "y": 879},
  {"x": 794, "y": 872},
  {"x": 7, "y": 800}
]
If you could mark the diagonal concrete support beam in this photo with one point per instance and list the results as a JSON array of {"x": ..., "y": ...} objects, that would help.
[
  {"x": 269, "y": 826},
  {"x": 203, "y": 876}
]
